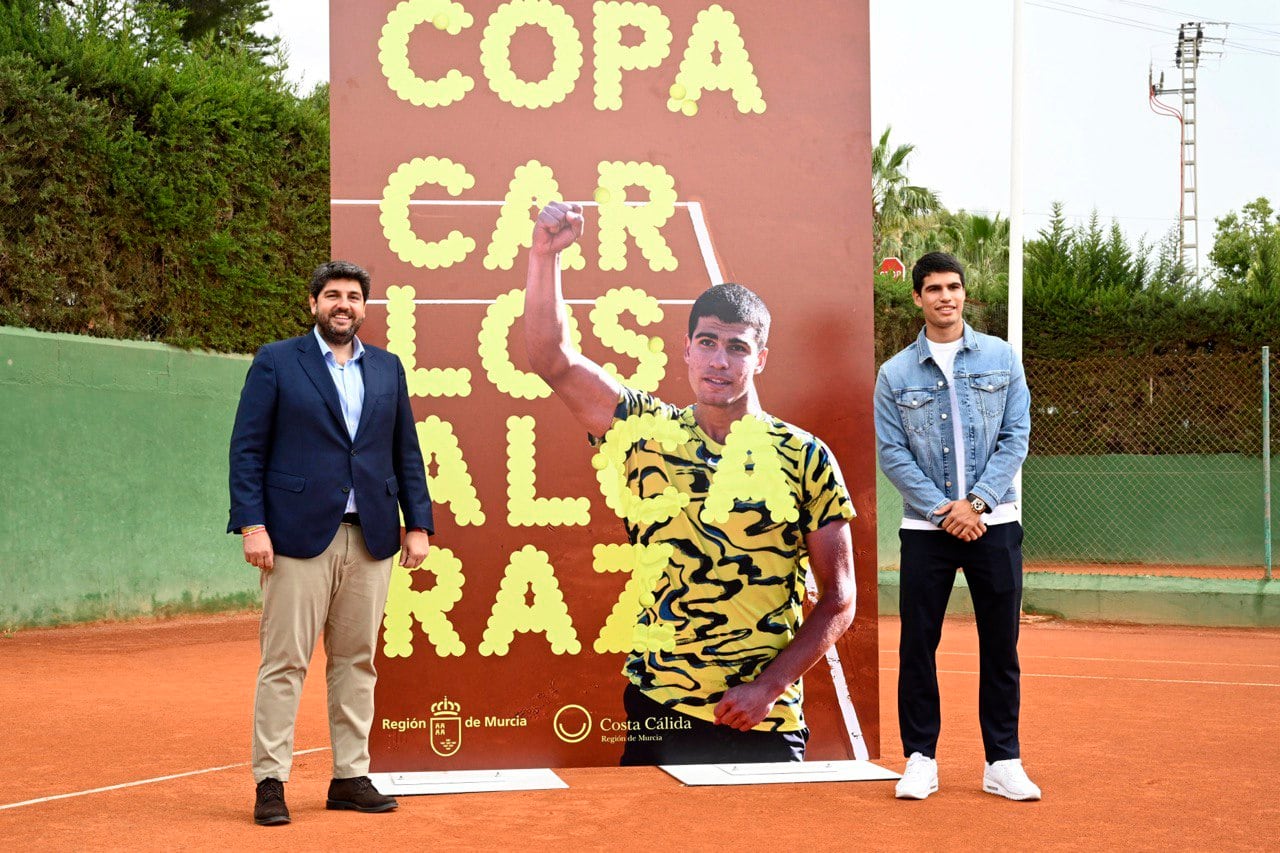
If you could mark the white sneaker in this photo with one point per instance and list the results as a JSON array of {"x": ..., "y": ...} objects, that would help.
[
  {"x": 1008, "y": 779},
  {"x": 919, "y": 780}
]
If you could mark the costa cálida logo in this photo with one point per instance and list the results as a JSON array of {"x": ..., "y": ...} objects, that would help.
[{"x": 446, "y": 727}]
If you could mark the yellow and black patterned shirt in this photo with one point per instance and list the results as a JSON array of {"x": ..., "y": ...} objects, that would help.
[{"x": 731, "y": 520}]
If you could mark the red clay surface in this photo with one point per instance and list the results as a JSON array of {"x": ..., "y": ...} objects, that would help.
[{"x": 1141, "y": 737}]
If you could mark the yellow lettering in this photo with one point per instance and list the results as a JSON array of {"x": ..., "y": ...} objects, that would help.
[
  {"x": 422, "y": 381},
  {"x": 393, "y": 52},
  {"x": 529, "y": 570},
  {"x": 532, "y": 186},
  {"x": 404, "y": 604},
  {"x": 397, "y": 229},
  {"x": 612, "y": 57},
  {"x": 715, "y": 29},
  {"x": 645, "y": 564},
  {"x": 495, "y": 330},
  {"x": 495, "y": 53},
  {"x": 644, "y": 221},
  {"x": 646, "y": 350},
  {"x": 524, "y": 508},
  {"x": 748, "y": 444},
  {"x": 611, "y": 470},
  {"x": 452, "y": 482}
]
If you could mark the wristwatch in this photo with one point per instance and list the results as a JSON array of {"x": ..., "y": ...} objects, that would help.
[{"x": 979, "y": 505}]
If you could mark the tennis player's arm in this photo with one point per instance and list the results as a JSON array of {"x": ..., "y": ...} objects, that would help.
[
  {"x": 831, "y": 561},
  {"x": 591, "y": 394}
]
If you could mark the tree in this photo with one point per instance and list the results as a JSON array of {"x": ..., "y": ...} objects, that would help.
[
  {"x": 895, "y": 202},
  {"x": 980, "y": 242},
  {"x": 1239, "y": 237},
  {"x": 227, "y": 22}
]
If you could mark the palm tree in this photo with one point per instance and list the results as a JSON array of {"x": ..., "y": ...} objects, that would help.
[
  {"x": 982, "y": 242},
  {"x": 894, "y": 201}
]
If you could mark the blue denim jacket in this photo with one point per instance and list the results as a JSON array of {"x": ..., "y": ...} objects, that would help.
[{"x": 914, "y": 432}]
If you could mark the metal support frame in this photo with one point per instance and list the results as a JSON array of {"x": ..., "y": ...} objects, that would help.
[
  {"x": 1266, "y": 460},
  {"x": 1188, "y": 51}
]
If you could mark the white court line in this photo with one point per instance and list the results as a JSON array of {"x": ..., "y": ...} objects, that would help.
[
  {"x": 843, "y": 698},
  {"x": 1113, "y": 678},
  {"x": 145, "y": 781},
  {"x": 696, "y": 217},
  {"x": 701, "y": 231},
  {"x": 1112, "y": 660}
]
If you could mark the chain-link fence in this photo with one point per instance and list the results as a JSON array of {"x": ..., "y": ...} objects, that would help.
[{"x": 1153, "y": 460}]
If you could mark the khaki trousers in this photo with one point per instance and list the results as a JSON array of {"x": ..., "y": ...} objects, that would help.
[{"x": 342, "y": 591}]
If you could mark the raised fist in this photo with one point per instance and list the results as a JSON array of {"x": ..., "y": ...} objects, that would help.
[{"x": 558, "y": 227}]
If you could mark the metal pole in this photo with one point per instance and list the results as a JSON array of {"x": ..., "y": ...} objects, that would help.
[
  {"x": 1015, "y": 188},
  {"x": 1015, "y": 206},
  {"x": 1266, "y": 460}
]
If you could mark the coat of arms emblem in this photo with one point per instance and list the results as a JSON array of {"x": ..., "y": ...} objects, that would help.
[{"x": 446, "y": 727}]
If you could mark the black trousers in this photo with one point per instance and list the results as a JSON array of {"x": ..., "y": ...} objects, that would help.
[
  {"x": 659, "y": 735},
  {"x": 993, "y": 570}
]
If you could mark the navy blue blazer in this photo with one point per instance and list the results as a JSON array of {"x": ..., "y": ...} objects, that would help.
[{"x": 293, "y": 463}]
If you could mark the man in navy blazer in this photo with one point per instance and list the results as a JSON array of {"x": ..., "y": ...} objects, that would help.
[{"x": 323, "y": 452}]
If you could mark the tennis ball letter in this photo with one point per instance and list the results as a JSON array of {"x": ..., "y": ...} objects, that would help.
[
  {"x": 422, "y": 381},
  {"x": 523, "y": 505},
  {"x": 645, "y": 565},
  {"x": 430, "y": 608},
  {"x": 529, "y": 571}
]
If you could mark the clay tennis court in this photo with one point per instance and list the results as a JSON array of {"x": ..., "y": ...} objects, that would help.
[{"x": 1143, "y": 738}]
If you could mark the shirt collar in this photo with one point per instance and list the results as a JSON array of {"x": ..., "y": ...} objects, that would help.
[
  {"x": 922, "y": 343},
  {"x": 326, "y": 351}
]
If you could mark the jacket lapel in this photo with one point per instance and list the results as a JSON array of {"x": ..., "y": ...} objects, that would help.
[
  {"x": 313, "y": 364},
  {"x": 373, "y": 375}
]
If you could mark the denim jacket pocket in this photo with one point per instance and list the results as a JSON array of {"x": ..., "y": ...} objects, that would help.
[
  {"x": 990, "y": 390},
  {"x": 915, "y": 405}
]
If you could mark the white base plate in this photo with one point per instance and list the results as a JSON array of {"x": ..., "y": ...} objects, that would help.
[
  {"x": 465, "y": 781},
  {"x": 772, "y": 773}
]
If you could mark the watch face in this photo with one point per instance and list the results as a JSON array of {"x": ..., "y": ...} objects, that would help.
[{"x": 979, "y": 505}]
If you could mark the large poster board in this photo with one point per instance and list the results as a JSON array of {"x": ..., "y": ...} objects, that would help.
[{"x": 709, "y": 142}]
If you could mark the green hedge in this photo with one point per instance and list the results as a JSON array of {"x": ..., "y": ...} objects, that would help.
[{"x": 154, "y": 190}]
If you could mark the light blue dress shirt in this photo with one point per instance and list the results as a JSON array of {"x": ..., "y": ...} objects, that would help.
[{"x": 349, "y": 380}]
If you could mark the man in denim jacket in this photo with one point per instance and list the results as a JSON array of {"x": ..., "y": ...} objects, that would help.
[{"x": 953, "y": 416}]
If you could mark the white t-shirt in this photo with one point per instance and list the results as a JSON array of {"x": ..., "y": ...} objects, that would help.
[{"x": 944, "y": 355}]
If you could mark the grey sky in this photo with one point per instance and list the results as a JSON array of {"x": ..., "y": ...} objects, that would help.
[{"x": 941, "y": 76}]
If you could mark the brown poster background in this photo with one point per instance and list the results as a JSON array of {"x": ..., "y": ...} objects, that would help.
[{"x": 785, "y": 197}]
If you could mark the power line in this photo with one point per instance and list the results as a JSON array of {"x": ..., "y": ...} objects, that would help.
[
  {"x": 1080, "y": 11},
  {"x": 1166, "y": 10},
  {"x": 1172, "y": 220},
  {"x": 1134, "y": 23}
]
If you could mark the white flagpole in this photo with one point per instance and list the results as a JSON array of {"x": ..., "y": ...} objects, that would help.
[{"x": 1015, "y": 203}]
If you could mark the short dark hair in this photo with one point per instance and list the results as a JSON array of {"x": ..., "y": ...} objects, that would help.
[
  {"x": 732, "y": 303},
  {"x": 334, "y": 270},
  {"x": 932, "y": 263}
]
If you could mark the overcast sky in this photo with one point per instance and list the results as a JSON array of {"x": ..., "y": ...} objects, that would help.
[{"x": 941, "y": 77}]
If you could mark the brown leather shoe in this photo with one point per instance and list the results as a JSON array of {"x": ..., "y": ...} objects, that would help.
[
  {"x": 358, "y": 794},
  {"x": 269, "y": 809}
]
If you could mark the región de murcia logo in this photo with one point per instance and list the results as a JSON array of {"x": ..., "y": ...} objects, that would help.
[{"x": 446, "y": 727}]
